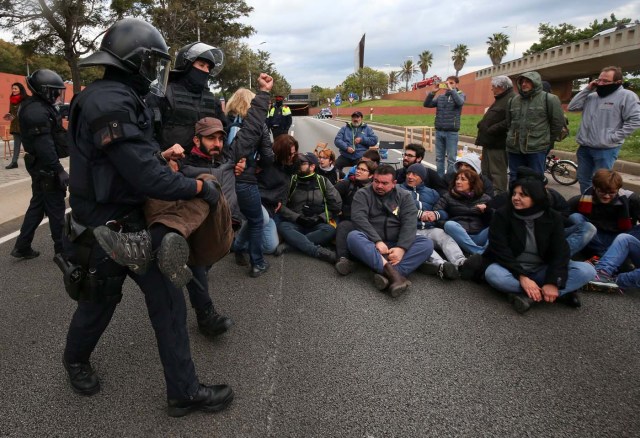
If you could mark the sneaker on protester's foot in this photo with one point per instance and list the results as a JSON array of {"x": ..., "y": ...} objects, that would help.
[{"x": 602, "y": 283}]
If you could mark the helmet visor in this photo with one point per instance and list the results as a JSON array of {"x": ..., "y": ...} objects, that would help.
[
  {"x": 208, "y": 53},
  {"x": 155, "y": 68},
  {"x": 53, "y": 95}
]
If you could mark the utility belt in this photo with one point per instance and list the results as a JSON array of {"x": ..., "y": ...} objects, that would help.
[{"x": 83, "y": 280}]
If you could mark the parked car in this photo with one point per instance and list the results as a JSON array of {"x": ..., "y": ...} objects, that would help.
[{"x": 325, "y": 113}]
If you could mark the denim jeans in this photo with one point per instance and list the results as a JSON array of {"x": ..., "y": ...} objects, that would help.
[
  {"x": 602, "y": 240},
  {"x": 365, "y": 250},
  {"x": 580, "y": 233},
  {"x": 251, "y": 207},
  {"x": 446, "y": 144},
  {"x": 269, "y": 235},
  {"x": 17, "y": 143},
  {"x": 306, "y": 240},
  {"x": 469, "y": 243},
  {"x": 535, "y": 161},
  {"x": 500, "y": 278},
  {"x": 623, "y": 246},
  {"x": 592, "y": 159}
]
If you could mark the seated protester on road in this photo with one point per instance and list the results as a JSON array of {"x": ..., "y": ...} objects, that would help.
[
  {"x": 466, "y": 212},
  {"x": 414, "y": 153},
  {"x": 347, "y": 189},
  {"x": 385, "y": 236},
  {"x": 425, "y": 198},
  {"x": 624, "y": 247},
  {"x": 371, "y": 155},
  {"x": 353, "y": 140},
  {"x": 312, "y": 202},
  {"x": 612, "y": 209},
  {"x": 327, "y": 159},
  {"x": 578, "y": 233},
  {"x": 260, "y": 153},
  {"x": 273, "y": 182},
  {"x": 471, "y": 161},
  {"x": 529, "y": 255}
]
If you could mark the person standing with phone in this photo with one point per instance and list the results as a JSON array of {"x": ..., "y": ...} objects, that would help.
[
  {"x": 18, "y": 94},
  {"x": 448, "y": 109}
]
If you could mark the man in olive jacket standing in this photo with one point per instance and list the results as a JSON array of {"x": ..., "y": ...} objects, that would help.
[
  {"x": 492, "y": 134},
  {"x": 535, "y": 119}
]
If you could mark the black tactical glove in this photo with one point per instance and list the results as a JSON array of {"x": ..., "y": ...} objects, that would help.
[
  {"x": 210, "y": 193},
  {"x": 63, "y": 179}
]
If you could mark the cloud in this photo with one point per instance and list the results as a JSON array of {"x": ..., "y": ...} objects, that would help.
[{"x": 313, "y": 43}]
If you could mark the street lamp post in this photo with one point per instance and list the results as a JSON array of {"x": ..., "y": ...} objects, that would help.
[
  {"x": 388, "y": 78},
  {"x": 448, "y": 46}
]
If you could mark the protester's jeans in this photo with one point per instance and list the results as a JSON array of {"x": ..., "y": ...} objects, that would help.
[
  {"x": 442, "y": 241},
  {"x": 306, "y": 240},
  {"x": 580, "y": 233},
  {"x": 446, "y": 144},
  {"x": 623, "y": 246},
  {"x": 592, "y": 159},
  {"x": 251, "y": 207},
  {"x": 469, "y": 243},
  {"x": 535, "y": 161},
  {"x": 365, "y": 250},
  {"x": 602, "y": 240},
  {"x": 500, "y": 278},
  {"x": 269, "y": 235}
]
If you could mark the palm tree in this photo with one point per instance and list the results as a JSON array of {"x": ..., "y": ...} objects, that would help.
[
  {"x": 498, "y": 46},
  {"x": 394, "y": 79},
  {"x": 460, "y": 53},
  {"x": 424, "y": 62},
  {"x": 407, "y": 71}
]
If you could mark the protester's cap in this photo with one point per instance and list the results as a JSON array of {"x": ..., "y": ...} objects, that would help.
[
  {"x": 526, "y": 172},
  {"x": 356, "y": 114},
  {"x": 208, "y": 126},
  {"x": 310, "y": 158},
  {"x": 472, "y": 159},
  {"x": 419, "y": 170}
]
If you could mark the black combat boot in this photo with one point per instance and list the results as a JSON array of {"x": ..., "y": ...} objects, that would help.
[
  {"x": 132, "y": 250},
  {"x": 208, "y": 399},
  {"x": 82, "y": 378},
  {"x": 211, "y": 323}
]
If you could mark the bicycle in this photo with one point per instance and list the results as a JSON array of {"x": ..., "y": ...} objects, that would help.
[{"x": 564, "y": 172}]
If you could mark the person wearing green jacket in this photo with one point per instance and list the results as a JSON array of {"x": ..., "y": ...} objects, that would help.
[{"x": 535, "y": 119}]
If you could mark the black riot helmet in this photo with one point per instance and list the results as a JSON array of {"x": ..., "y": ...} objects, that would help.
[
  {"x": 47, "y": 84},
  {"x": 138, "y": 48},
  {"x": 188, "y": 54}
]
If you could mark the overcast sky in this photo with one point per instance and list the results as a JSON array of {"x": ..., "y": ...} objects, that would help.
[{"x": 313, "y": 42}]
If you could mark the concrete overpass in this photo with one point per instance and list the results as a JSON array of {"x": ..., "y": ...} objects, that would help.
[{"x": 560, "y": 65}]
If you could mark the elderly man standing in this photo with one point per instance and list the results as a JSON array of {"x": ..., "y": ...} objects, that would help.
[
  {"x": 609, "y": 115},
  {"x": 492, "y": 134},
  {"x": 535, "y": 119},
  {"x": 385, "y": 236}
]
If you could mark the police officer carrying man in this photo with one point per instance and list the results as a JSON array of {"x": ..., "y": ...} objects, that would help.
[
  {"x": 187, "y": 98},
  {"x": 279, "y": 120},
  {"x": 44, "y": 141},
  {"x": 115, "y": 166}
]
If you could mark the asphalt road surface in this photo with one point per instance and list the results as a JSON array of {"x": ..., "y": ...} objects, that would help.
[{"x": 313, "y": 354}]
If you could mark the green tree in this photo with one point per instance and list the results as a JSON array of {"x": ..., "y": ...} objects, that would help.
[
  {"x": 460, "y": 53},
  {"x": 60, "y": 27},
  {"x": 498, "y": 45},
  {"x": 365, "y": 81},
  {"x": 394, "y": 79},
  {"x": 407, "y": 70},
  {"x": 425, "y": 60},
  {"x": 564, "y": 33}
]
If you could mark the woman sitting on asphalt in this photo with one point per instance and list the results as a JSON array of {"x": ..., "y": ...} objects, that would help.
[
  {"x": 529, "y": 254},
  {"x": 464, "y": 208},
  {"x": 347, "y": 189},
  {"x": 327, "y": 159}
]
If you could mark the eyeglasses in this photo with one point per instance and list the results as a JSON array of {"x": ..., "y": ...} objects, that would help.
[
  {"x": 603, "y": 193},
  {"x": 324, "y": 158},
  {"x": 409, "y": 155},
  {"x": 362, "y": 169}
]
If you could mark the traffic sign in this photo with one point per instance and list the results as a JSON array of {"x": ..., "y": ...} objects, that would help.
[
  {"x": 338, "y": 100},
  {"x": 350, "y": 99}
]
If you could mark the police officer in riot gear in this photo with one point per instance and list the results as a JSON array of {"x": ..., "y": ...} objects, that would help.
[
  {"x": 44, "y": 142},
  {"x": 187, "y": 98},
  {"x": 279, "y": 119},
  {"x": 114, "y": 168}
]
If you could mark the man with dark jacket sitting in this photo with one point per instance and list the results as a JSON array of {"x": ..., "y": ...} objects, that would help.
[
  {"x": 385, "y": 236},
  {"x": 311, "y": 204}
]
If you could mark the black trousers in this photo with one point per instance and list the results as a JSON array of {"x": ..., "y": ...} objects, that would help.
[
  {"x": 343, "y": 229},
  {"x": 168, "y": 315},
  {"x": 199, "y": 296},
  {"x": 49, "y": 203}
]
